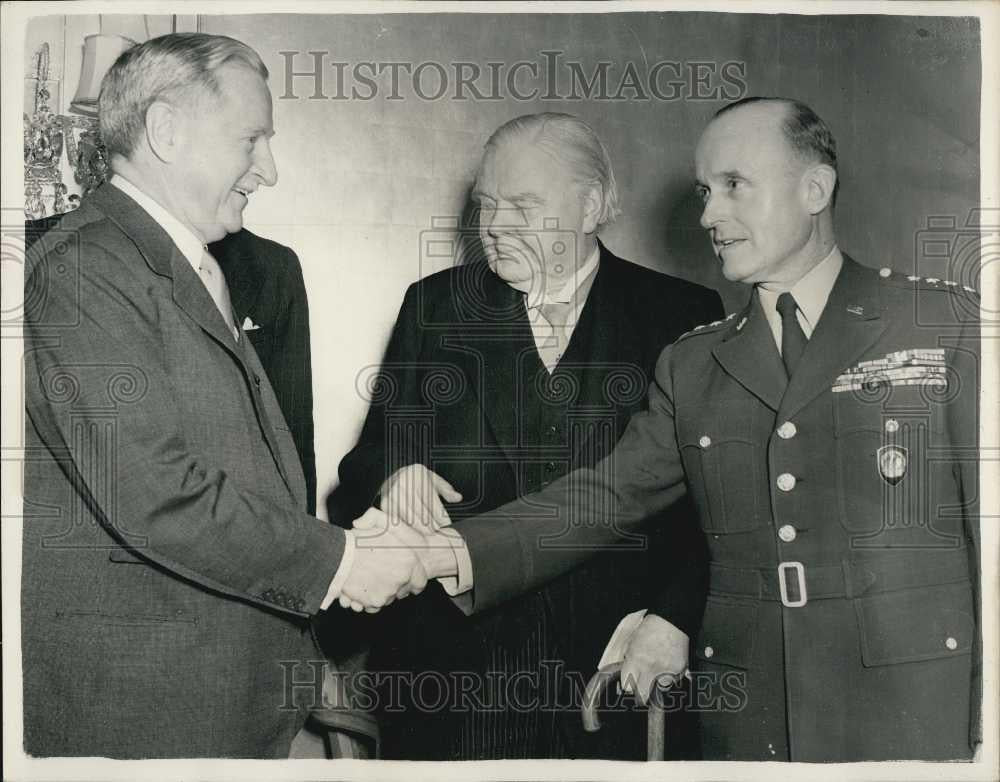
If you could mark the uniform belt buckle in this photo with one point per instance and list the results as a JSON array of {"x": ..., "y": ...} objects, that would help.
[{"x": 783, "y": 568}]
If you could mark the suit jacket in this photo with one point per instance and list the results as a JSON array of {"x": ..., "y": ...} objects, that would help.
[
  {"x": 850, "y": 489},
  {"x": 169, "y": 562},
  {"x": 454, "y": 393},
  {"x": 266, "y": 285}
]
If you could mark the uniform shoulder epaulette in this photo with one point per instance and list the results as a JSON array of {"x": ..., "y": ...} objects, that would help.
[
  {"x": 707, "y": 328},
  {"x": 925, "y": 283}
]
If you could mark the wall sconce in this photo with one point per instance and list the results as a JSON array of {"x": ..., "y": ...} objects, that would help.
[{"x": 47, "y": 133}]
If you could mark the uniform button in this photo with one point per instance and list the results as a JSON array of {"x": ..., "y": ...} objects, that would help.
[
  {"x": 787, "y": 533},
  {"x": 709, "y": 651},
  {"x": 892, "y": 425},
  {"x": 553, "y": 429},
  {"x": 704, "y": 441},
  {"x": 786, "y": 481},
  {"x": 885, "y": 272},
  {"x": 951, "y": 643},
  {"x": 550, "y": 466},
  {"x": 787, "y": 430}
]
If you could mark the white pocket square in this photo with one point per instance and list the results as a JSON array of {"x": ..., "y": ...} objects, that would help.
[{"x": 249, "y": 325}]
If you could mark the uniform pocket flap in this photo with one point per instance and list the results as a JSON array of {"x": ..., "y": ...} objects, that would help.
[
  {"x": 728, "y": 632},
  {"x": 916, "y": 624}
]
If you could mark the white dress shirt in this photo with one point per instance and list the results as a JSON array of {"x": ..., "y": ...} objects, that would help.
[
  {"x": 810, "y": 294},
  {"x": 551, "y": 339}
]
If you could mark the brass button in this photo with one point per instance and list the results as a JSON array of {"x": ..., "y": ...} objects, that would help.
[
  {"x": 786, "y": 481},
  {"x": 951, "y": 643},
  {"x": 787, "y": 533},
  {"x": 787, "y": 430},
  {"x": 892, "y": 425},
  {"x": 705, "y": 441},
  {"x": 709, "y": 651}
]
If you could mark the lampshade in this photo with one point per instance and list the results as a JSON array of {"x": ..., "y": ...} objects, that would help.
[{"x": 99, "y": 52}]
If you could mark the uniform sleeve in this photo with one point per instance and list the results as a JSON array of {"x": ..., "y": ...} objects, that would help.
[
  {"x": 192, "y": 517},
  {"x": 536, "y": 538},
  {"x": 679, "y": 583}
]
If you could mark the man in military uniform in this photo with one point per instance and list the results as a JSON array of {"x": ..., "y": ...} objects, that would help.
[{"x": 828, "y": 436}]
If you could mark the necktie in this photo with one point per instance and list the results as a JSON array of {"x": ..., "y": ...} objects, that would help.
[
  {"x": 211, "y": 274},
  {"x": 556, "y": 314},
  {"x": 793, "y": 338}
]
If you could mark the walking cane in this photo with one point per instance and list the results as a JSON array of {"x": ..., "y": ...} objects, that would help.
[{"x": 654, "y": 719}]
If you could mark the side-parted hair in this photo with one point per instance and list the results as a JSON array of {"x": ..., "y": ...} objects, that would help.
[
  {"x": 804, "y": 131},
  {"x": 575, "y": 144},
  {"x": 172, "y": 68}
]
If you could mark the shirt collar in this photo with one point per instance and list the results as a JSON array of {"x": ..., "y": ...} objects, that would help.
[
  {"x": 191, "y": 246},
  {"x": 811, "y": 292},
  {"x": 566, "y": 293}
]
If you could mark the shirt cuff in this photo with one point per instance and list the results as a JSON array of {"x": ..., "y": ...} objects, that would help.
[
  {"x": 462, "y": 583},
  {"x": 343, "y": 571}
]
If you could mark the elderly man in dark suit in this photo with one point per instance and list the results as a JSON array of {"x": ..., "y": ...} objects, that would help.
[
  {"x": 169, "y": 563},
  {"x": 827, "y": 433},
  {"x": 500, "y": 376}
]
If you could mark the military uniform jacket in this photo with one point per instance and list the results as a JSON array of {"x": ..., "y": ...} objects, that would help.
[
  {"x": 169, "y": 563},
  {"x": 841, "y": 510}
]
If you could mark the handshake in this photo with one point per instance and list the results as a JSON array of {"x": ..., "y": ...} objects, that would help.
[{"x": 403, "y": 545}]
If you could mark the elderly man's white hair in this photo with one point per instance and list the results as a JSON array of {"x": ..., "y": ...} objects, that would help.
[
  {"x": 575, "y": 144},
  {"x": 172, "y": 68}
]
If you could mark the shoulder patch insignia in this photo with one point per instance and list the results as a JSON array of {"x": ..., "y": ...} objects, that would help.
[
  {"x": 707, "y": 326},
  {"x": 933, "y": 283}
]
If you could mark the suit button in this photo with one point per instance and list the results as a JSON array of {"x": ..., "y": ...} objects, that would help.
[
  {"x": 951, "y": 643},
  {"x": 787, "y": 430},
  {"x": 892, "y": 425},
  {"x": 709, "y": 652},
  {"x": 787, "y": 533},
  {"x": 704, "y": 441},
  {"x": 786, "y": 481}
]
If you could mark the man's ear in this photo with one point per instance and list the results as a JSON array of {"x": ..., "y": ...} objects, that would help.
[
  {"x": 592, "y": 203},
  {"x": 820, "y": 181},
  {"x": 164, "y": 130}
]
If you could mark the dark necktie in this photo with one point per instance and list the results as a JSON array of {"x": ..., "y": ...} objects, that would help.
[{"x": 793, "y": 338}]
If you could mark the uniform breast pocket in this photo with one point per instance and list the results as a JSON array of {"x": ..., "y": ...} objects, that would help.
[
  {"x": 721, "y": 464},
  {"x": 882, "y": 442}
]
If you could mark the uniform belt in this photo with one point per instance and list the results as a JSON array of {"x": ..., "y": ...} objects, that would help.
[{"x": 849, "y": 579}]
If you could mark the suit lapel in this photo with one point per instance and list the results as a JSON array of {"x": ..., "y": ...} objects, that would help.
[
  {"x": 749, "y": 355},
  {"x": 189, "y": 293},
  {"x": 591, "y": 350},
  {"x": 851, "y": 323},
  {"x": 163, "y": 257},
  {"x": 242, "y": 271}
]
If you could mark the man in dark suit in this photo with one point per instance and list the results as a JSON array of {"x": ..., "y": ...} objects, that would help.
[
  {"x": 169, "y": 563},
  {"x": 500, "y": 376},
  {"x": 827, "y": 434}
]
